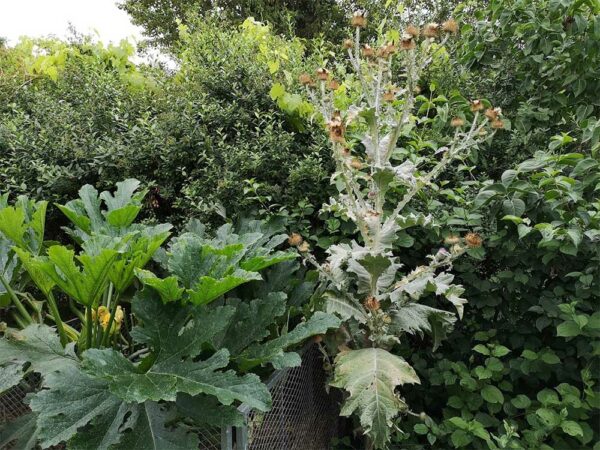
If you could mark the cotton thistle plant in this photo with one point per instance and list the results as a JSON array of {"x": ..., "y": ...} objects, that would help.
[{"x": 365, "y": 282}]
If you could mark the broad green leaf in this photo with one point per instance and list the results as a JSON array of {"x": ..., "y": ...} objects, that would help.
[
  {"x": 40, "y": 346},
  {"x": 344, "y": 306},
  {"x": 568, "y": 329},
  {"x": 250, "y": 323},
  {"x": 21, "y": 433},
  {"x": 206, "y": 410},
  {"x": 492, "y": 394},
  {"x": 12, "y": 225},
  {"x": 257, "y": 263},
  {"x": 548, "y": 416},
  {"x": 149, "y": 429},
  {"x": 572, "y": 428},
  {"x": 273, "y": 350},
  {"x": 207, "y": 289},
  {"x": 176, "y": 344},
  {"x": 85, "y": 283},
  {"x": 521, "y": 401},
  {"x": 168, "y": 288},
  {"x": 415, "y": 318},
  {"x": 514, "y": 207},
  {"x": 121, "y": 209},
  {"x": 80, "y": 409},
  {"x": 34, "y": 268},
  {"x": 11, "y": 374},
  {"x": 369, "y": 269},
  {"x": 70, "y": 401},
  {"x": 123, "y": 217},
  {"x": 370, "y": 376},
  {"x": 139, "y": 249}
]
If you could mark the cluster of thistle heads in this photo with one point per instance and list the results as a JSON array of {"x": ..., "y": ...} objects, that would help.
[{"x": 323, "y": 78}]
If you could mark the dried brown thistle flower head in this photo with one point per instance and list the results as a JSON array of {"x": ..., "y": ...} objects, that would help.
[
  {"x": 322, "y": 74},
  {"x": 452, "y": 239},
  {"x": 295, "y": 239},
  {"x": 367, "y": 51},
  {"x": 333, "y": 85},
  {"x": 456, "y": 249},
  {"x": 356, "y": 164},
  {"x": 359, "y": 19},
  {"x": 386, "y": 50},
  {"x": 450, "y": 26},
  {"x": 348, "y": 44},
  {"x": 473, "y": 240},
  {"x": 431, "y": 30},
  {"x": 389, "y": 95},
  {"x": 412, "y": 31},
  {"x": 497, "y": 124},
  {"x": 304, "y": 247},
  {"x": 390, "y": 48},
  {"x": 371, "y": 303},
  {"x": 305, "y": 79},
  {"x": 457, "y": 122},
  {"x": 476, "y": 105},
  {"x": 407, "y": 42},
  {"x": 336, "y": 128},
  {"x": 493, "y": 114}
]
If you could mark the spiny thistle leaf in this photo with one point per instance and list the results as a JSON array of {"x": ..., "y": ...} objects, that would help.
[{"x": 370, "y": 376}]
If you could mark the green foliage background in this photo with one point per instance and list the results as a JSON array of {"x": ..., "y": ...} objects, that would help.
[{"x": 521, "y": 370}]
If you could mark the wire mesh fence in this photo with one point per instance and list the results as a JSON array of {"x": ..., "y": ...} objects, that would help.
[{"x": 304, "y": 415}]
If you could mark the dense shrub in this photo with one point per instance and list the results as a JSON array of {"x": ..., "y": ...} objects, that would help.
[{"x": 82, "y": 113}]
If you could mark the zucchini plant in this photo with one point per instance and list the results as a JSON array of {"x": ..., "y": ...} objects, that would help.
[
  {"x": 365, "y": 282},
  {"x": 150, "y": 357}
]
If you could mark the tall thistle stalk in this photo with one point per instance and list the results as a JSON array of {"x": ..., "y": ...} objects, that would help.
[{"x": 364, "y": 282}]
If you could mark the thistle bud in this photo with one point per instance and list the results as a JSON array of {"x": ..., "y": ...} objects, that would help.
[
  {"x": 322, "y": 74},
  {"x": 417, "y": 90},
  {"x": 348, "y": 44},
  {"x": 356, "y": 164},
  {"x": 457, "y": 122},
  {"x": 359, "y": 19},
  {"x": 333, "y": 85},
  {"x": 493, "y": 114},
  {"x": 295, "y": 239},
  {"x": 367, "y": 51},
  {"x": 450, "y": 26},
  {"x": 452, "y": 239},
  {"x": 431, "y": 30},
  {"x": 482, "y": 132},
  {"x": 497, "y": 124},
  {"x": 407, "y": 42},
  {"x": 389, "y": 95},
  {"x": 336, "y": 128},
  {"x": 387, "y": 319},
  {"x": 412, "y": 31},
  {"x": 371, "y": 303},
  {"x": 304, "y": 247},
  {"x": 423, "y": 416},
  {"x": 390, "y": 48},
  {"x": 456, "y": 249},
  {"x": 476, "y": 105},
  {"x": 305, "y": 79},
  {"x": 473, "y": 240}
]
